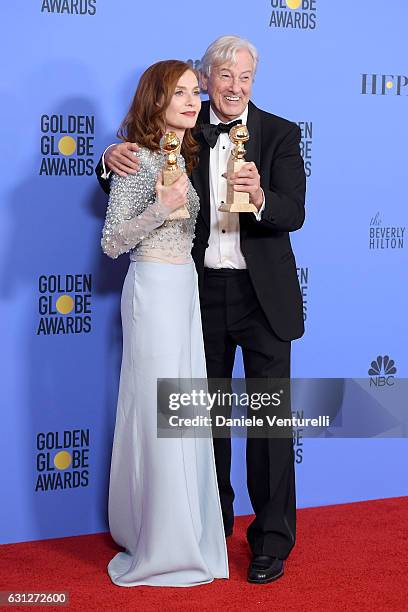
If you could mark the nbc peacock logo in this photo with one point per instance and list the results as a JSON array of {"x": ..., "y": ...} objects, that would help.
[
  {"x": 382, "y": 371},
  {"x": 295, "y": 14}
]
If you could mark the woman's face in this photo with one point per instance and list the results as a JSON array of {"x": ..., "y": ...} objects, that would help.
[{"x": 185, "y": 104}]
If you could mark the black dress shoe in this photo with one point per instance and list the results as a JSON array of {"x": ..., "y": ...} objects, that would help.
[{"x": 263, "y": 569}]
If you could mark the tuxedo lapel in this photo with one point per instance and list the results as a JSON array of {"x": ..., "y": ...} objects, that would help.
[
  {"x": 253, "y": 146},
  {"x": 201, "y": 174},
  {"x": 253, "y": 152}
]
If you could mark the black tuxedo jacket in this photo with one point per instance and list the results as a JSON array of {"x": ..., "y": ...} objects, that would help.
[
  {"x": 274, "y": 147},
  {"x": 265, "y": 244}
]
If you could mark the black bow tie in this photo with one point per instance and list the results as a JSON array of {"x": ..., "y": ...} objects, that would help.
[{"x": 211, "y": 131}]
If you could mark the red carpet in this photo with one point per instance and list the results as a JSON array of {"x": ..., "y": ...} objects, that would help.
[{"x": 348, "y": 557}]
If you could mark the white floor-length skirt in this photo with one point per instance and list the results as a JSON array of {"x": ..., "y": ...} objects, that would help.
[{"x": 164, "y": 507}]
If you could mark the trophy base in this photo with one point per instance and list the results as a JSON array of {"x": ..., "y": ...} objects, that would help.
[
  {"x": 238, "y": 207},
  {"x": 237, "y": 201},
  {"x": 179, "y": 213}
]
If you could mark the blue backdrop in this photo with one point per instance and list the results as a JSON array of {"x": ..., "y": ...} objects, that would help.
[{"x": 336, "y": 68}]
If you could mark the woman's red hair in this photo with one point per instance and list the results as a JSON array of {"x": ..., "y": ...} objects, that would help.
[{"x": 145, "y": 121}]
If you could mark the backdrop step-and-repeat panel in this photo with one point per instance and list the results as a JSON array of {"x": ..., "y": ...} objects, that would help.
[{"x": 339, "y": 70}]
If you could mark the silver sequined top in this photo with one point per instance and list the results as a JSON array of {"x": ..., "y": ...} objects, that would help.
[{"x": 136, "y": 221}]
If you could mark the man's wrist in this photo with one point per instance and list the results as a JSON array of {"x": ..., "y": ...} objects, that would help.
[
  {"x": 106, "y": 173},
  {"x": 258, "y": 213},
  {"x": 258, "y": 199}
]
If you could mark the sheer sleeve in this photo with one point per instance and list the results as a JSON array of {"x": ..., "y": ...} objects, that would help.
[{"x": 133, "y": 212}]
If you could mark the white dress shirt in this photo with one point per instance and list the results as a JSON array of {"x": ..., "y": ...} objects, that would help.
[{"x": 224, "y": 249}]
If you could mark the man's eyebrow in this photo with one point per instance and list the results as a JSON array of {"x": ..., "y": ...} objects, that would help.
[{"x": 229, "y": 70}]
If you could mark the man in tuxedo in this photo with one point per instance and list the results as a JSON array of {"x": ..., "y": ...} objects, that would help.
[{"x": 249, "y": 291}]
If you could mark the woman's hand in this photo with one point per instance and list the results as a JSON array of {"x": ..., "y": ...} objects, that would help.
[{"x": 172, "y": 196}]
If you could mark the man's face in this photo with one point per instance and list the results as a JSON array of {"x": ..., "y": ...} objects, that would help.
[{"x": 229, "y": 86}]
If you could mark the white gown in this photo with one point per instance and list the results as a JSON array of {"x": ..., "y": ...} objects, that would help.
[{"x": 164, "y": 507}]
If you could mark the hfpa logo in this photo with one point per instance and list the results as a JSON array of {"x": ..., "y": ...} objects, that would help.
[
  {"x": 384, "y": 84},
  {"x": 382, "y": 372}
]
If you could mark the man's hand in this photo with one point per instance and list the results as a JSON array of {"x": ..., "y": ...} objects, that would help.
[
  {"x": 121, "y": 160},
  {"x": 248, "y": 180}
]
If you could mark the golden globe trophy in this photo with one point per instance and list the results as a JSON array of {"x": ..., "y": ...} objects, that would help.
[
  {"x": 170, "y": 146},
  {"x": 237, "y": 201}
]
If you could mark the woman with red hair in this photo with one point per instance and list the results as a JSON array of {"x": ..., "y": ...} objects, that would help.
[{"x": 164, "y": 507}]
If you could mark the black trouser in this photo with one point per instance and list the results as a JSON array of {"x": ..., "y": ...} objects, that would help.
[{"x": 232, "y": 316}]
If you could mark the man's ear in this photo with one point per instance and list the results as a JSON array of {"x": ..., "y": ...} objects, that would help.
[{"x": 203, "y": 80}]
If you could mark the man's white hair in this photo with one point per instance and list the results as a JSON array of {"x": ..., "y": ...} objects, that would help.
[{"x": 224, "y": 49}]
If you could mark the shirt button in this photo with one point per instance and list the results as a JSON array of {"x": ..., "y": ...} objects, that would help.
[
  {"x": 223, "y": 231},
  {"x": 223, "y": 147}
]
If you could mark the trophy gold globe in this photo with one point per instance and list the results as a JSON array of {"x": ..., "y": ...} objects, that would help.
[
  {"x": 237, "y": 201},
  {"x": 170, "y": 146}
]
